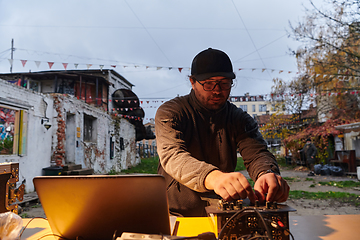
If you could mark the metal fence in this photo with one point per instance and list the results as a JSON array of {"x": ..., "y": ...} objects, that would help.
[{"x": 146, "y": 151}]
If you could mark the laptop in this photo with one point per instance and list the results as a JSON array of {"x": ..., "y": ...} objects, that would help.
[{"x": 103, "y": 206}]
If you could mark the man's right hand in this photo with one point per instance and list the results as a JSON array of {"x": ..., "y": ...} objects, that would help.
[{"x": 229, "y": 186}]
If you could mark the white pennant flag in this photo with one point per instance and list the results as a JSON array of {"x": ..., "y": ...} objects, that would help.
[
  {"x": 88, "y": 65},
  {"x": 11, "y": 61},
  {"x": 37, "y": 63}
]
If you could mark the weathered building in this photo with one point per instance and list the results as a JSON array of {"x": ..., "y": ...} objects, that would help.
[{"x": 68, "y": 117}]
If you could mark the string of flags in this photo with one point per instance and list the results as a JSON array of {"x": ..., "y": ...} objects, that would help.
[
  {"x": 342, "y": 77},
  {"x": 101, "y": 66},
  {"x": 136, "y": 118},
  {"x": 124, "y": 101},
  {"x": 265, "y": 97},
  {"x": 345, "y": 76}
]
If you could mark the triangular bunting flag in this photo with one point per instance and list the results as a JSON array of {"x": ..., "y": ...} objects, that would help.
[
  {"x": 11, "y": 61},
  {"x": 76, "y": 65},
  {"x": 37, "y": 63},
  {"x": 101, "y": 67},
  {"x": 65, "y": 65},
  {"x": 88, "y": 65},
  {"x": 180, "y": 69},
  {"x": 50, "y": 64},
  {"x": 23, "y": 62}
]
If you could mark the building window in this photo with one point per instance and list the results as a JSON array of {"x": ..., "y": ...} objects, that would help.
[
  {"x": 89, "y": 128},
  {"x": 262, "y": 108},
  {"x": 112, "y": 147},
  {"x": 243, "y": 107},
  {"x": 34, "y": 85},
  {"x": 122, "y": 146},
  {"x": 254, "y": 108},
  {"x": 13, "y": 131},
  {"x": 273, "y": 107}
]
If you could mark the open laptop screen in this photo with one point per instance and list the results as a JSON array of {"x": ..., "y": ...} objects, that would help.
[{"x": 102, "y": 206}]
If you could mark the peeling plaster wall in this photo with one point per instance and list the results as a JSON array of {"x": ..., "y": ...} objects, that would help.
[
  {"x": 38, "y": 148},
  {"x": 93, "y": 154},
  {"x": 123, "y": 159}
]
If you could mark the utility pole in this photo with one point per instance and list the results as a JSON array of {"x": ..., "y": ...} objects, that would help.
[{"x": 12, "y": 53}]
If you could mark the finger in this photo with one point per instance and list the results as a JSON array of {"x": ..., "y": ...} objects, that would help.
[
  {"x": 284, "y": 192},
  {"x": 251, "y": 195},
  {"x": 274, "y": 186},
  {"x": 259, "y": 196},
  {"x": 235, "y": 191},
  {"x": 241, "y": 188},
  {"x": 247, "y": 190},
  {"x": 223, "y": 193}
]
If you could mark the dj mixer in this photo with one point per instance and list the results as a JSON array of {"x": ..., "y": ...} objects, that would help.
[{"x": 240, "y": 220}]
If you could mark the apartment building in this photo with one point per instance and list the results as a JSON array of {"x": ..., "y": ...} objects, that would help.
[{"x": 255, "y": 105}]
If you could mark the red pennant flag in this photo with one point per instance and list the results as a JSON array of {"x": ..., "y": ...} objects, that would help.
[
  {"x": 50, "y": 64},
  {"x": 180, "y": 69},
  {"x": 65, "y": 65},
  {"x": 23, "y": 62},
  {"x": 114, "y": 66},
  {"x": 141, "y": 102}
]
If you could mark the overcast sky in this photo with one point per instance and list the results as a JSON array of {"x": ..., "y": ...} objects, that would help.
[{"x": 150, "y": 41}]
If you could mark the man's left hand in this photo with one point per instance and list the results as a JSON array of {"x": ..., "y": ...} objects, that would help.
[{"x": 274, "y": 185}]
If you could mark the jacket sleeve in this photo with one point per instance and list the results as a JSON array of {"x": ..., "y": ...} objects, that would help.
[
  {"x": 173, "y": 154},
  {"x": 253, "y": 149},
  {"x": 314, "y": 150}
]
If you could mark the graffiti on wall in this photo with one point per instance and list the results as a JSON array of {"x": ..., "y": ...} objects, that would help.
[{"x": 7, "y": 129}]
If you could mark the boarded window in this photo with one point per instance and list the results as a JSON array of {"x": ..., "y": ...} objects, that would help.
[{"x": 89, "y": 128}]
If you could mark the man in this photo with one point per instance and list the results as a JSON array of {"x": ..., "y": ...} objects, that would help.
[
  {"x": 309, "y": 152},
  {"x": 197, "y": 140}
]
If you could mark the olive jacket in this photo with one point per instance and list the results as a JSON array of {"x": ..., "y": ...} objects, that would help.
[{"x": 192, "y": 141}]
